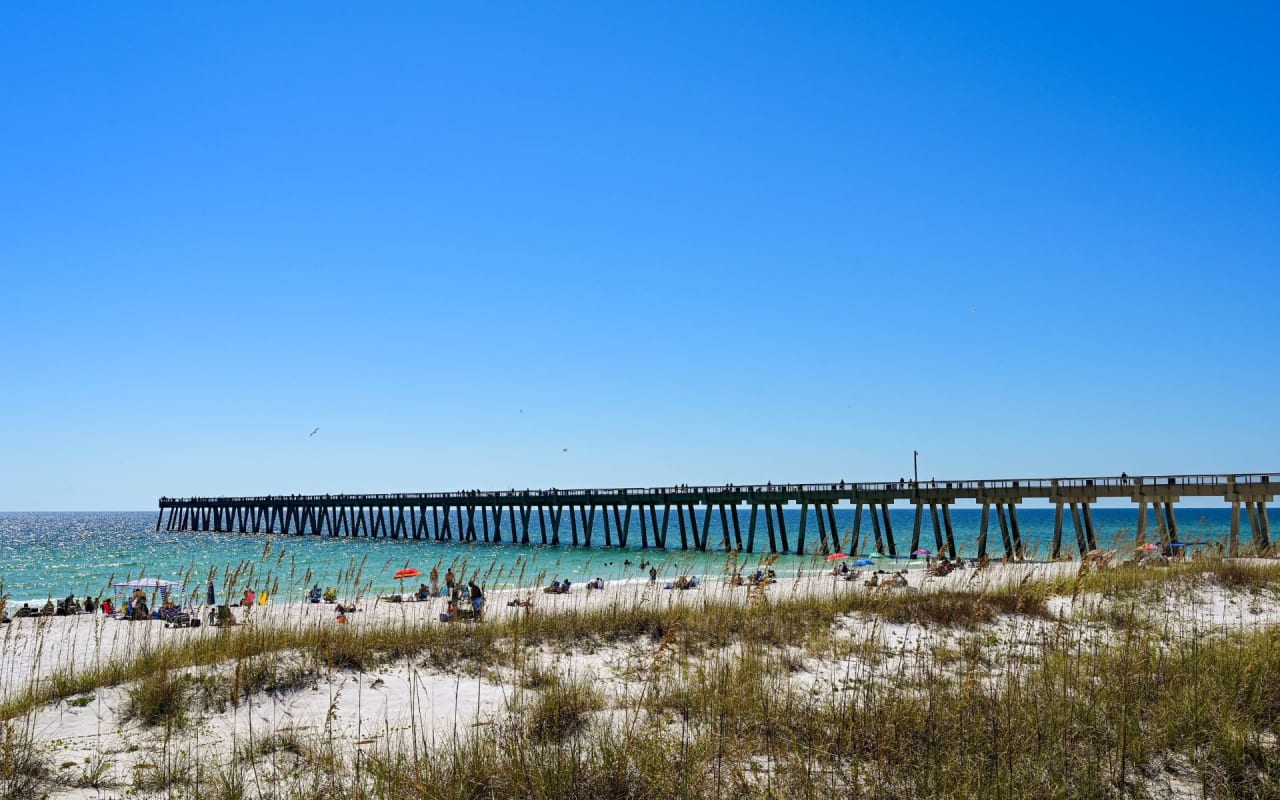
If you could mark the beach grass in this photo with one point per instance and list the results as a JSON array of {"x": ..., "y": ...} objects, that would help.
[{"x": 774, "y": 697}]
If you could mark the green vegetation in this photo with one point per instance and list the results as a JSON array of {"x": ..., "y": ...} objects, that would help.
[{"x": 769, "y": 699}]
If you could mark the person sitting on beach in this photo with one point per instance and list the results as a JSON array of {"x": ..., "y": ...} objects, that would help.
[
  {"x": 736, "y": 580},
  {"x": 314, "y": 595},
  {"x": 342, "y": 613},
  {"x": 875, "y": 580},
  {"x": 89, "y": 604},
  {"x": 422, "y": 592},
  {"x": 520, "y": 603},
  {"x": 107, "y": 608},
  {"x": 900, "y": 579},
  {"x": 553, "y": 587},
  {"x": 564, "y": 587}
]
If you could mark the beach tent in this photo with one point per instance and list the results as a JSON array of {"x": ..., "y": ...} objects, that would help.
[{"x": 151, "y": 584}]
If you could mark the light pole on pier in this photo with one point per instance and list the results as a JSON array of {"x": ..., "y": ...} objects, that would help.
[{"x": 915, "y": 454}]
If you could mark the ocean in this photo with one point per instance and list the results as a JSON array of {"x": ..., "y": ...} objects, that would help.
[{"x": 44, "y": 555}]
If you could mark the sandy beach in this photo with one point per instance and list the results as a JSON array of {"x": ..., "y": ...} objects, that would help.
[
  {"x": 396, "y": 704},
  {"x": 37, "y": 647}
]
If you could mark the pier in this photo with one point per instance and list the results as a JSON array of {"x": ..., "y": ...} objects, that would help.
[{"x": 751, "y": 517}]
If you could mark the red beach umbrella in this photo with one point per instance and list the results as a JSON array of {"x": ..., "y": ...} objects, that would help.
[
  {"x": 407, "y": 572},
  {"x": 837, "y": 556}
]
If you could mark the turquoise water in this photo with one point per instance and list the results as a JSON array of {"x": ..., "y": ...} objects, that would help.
[{"x": 52, "y": 554}]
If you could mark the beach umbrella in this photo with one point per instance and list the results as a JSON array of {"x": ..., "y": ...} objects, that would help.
[
  {"x": 877, "y": 554},
  {"x": 864, "y": 562},
  {"x": 1149, "y": 546},
  {"x": 921, "y": 552},
  {"x": 837, "y": 556},
  {"x": 407, "y": 572}
]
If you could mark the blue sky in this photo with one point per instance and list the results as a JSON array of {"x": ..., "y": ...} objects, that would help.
[{"x": 731, "y": 242}]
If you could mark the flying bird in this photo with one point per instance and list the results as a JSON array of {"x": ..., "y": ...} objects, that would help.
[
  {"x": 564, "y": 450},
  {"x": 313, "y": 433}
]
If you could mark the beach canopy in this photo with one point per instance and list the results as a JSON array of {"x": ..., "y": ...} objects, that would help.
[
  {"x": 864, "y": 562},
  {"x": 150, "y": 583},
  {"x": 877, "y": 554},
  {"x": 922, "y": 552},
  {"x": 837, "y": 556},
  {"x": 408, "y": 572}
]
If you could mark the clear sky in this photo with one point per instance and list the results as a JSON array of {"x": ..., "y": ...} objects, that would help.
[{"x": 687, "y": 242}]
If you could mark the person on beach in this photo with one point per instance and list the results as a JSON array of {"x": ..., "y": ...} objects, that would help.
[
  {"x": 314, "y": 596},
  {"x": 476, "y": 594},
  {"x": 450, "y": 582},
  {"x": 553, "y": 587},
  {"x": 653, "y": 574},
  {"x": 435, "y": 582}
]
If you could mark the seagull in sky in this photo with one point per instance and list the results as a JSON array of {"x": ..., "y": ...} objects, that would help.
[
  {"x": 313, "y": 433},
  {"x": 564, "y": 450}
]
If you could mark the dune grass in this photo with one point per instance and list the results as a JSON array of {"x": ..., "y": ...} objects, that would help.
[{"x": 730, "y": 703}]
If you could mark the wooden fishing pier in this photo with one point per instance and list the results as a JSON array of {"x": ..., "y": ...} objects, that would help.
[{"x": 540, "y": 517}]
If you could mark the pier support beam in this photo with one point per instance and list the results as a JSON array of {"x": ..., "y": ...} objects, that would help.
[{"x": 888, "y": 530}]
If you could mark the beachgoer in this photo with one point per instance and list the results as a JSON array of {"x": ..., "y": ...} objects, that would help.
[
  {"x": 653, "y": 573},
  {"x": 475, "y": 590},
  {"x": 449, "y": 580},
  {"x": 435, "y": 582},
  {"x": 315, "y": 594},
  {"x": 553, "y": 587}
]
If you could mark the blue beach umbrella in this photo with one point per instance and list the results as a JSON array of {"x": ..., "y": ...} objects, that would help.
[{"x": 864, "y": 562}]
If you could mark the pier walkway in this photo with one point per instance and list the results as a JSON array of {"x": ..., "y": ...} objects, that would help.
[{"x": 749, "y": 516}]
